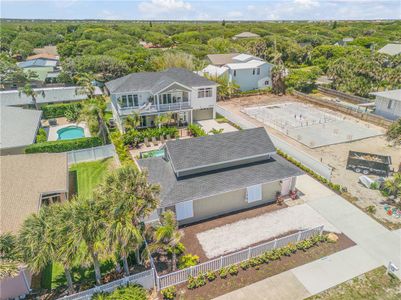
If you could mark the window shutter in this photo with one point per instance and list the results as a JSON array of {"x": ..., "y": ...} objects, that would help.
[
  {"x": 184, "y": 210},
  {"x": 254, "y": 193}
]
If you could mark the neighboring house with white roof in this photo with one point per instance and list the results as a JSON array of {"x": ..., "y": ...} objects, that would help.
[
  {"x": 391, "y": 49},
  {"x": 18, "y": 129},
  {"x": 245, "y": 35},
  {"x": 188, "y": 96},
  {"x": 45, "y": 96},
  {"x": 388, "y": 104},
  {"x": 42, "y": 66},
  {"x": 247, "y": 71}
]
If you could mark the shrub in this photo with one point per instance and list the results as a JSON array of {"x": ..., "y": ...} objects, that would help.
[
  {"x": 195, "y": 282},
  {"x": 178, "y": 249},
  {"x": 210, "y": 275},
  {"x": 374, "y": 185},
  {"x": 72, "y": 113},
  {"x": 133, "y": 136},
  {"x": 187, "y": 260},
  {"x": 292, "y": 248},
  {"x": 304, "y": 245},
  {"x": 371, "y": 209},
  {"x": 64, "y": 145},
  {"x": 136, "y": 292},
  {"x": 169, "y": 293},
  {"x": 273, "y": 254},
  {"x": 121, "y": 149},
  {"x": 233, "y": 270},
  {"x": 60, "y": 110},
  {"x": 196, "y": 130},
  {"x": 41, "y": 137},
  {"x": 245, "y": 265},
  {"x": 223, "y": 273},
  {"x": 256, "y": 261}
]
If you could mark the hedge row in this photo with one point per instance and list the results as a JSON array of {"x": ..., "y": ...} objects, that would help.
[
  {"x": 133, "y": 137},
  {"x": 196, "y": 130},
  {"x": 59, "y": 110},
  {"x": 65, "y": 145},
  {"x": 336, "y": 187}
]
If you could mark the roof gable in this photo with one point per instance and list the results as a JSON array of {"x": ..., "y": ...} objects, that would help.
[{"x": 216, "y": 152}]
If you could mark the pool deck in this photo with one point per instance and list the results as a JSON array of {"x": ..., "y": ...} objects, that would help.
[{"x": 53, "y": 136}]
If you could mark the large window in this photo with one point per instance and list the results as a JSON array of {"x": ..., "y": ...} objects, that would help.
[
  {"x": 205, "y": 92},
  {"x": 128, "y": 101}
]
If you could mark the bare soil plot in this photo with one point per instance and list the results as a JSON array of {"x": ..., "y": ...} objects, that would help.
[
  {"x": 241, "y": 234},
  {"x": 333, "y": 155}
]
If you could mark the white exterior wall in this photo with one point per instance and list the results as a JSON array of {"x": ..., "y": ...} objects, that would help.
[
  {"x": 248, "y": 81},
  {"x": 199, "y": 103},
  {"x": 382, "y": 109}
]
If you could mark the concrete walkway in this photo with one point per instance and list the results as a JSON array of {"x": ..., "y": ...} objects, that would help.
[{"x": 376, "y": 246}]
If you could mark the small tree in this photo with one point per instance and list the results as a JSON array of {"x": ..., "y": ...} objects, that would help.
[
  {"x": 132, "y": 121},
  {"x": 9, "y": 258},
  {"x": 29, "y": 92},
  {"x": 394, "y": 132},
  {"x": 393, "y": 185},
  {"x": 92, "y": 112}
]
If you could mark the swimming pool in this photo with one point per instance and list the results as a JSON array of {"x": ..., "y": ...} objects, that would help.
[
  {"x": 70, "y": 133},
  {"x": 153, "y": 153}
]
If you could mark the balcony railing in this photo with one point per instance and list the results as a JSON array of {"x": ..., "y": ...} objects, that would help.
[{"x": 146, "y": 109}]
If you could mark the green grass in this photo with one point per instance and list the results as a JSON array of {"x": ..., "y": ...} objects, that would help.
[
  {"x": 373, "y": 285},
  {"x": 90, "y": 174}
]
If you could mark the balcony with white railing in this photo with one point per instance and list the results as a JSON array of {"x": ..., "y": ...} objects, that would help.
[{"x": 150, "y": 108}]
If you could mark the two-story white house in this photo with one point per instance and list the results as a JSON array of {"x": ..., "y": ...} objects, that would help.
[
  {"x": 247, "y": 71},
  {"x": 188, "y": 96}
]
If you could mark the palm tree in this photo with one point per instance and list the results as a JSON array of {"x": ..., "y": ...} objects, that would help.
[
  {"x": 34, "y": 241},
  {"x": 162, "y": 119},
  {"x": 29, "y": 92},
  {"x": 93, "y": 112},
  {"x": 133, "y": 121},
  {"x": 225, "y": 88},
  {"x": 86, "y": 87},
  {"x": 65, "y": 250},
  {"x": 167, "y": 236},
  {"x": 9, "y": 259},
  {"x": 393, "y": 185},
  {"x": 128, "y": 198},
  {"x": 89, "y": 229}
]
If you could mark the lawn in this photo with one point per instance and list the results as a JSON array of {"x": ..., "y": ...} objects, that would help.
[
  {"x": 372, "y": 285},
  {"x": 90, "y": 174}
]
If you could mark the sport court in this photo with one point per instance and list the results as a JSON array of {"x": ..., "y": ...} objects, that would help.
[{"x": 309, "y": 125}]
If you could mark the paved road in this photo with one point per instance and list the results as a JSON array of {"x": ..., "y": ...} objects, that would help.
[{"x": 376, "y": 246}]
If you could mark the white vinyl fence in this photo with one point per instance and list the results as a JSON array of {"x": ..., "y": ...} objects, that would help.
[
  {"x": 181, "y": 276},
  {"x": 302, "y": 157},
  {"x": 90, "y": 154},
  {"x": 145, "y": 279}
]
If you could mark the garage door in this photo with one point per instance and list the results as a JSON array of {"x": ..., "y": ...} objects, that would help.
[
  {"x": 184, "y": 210},
  {"x": 203, "y": 114}
]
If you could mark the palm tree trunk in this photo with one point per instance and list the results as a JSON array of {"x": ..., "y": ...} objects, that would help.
[
  {"x": 125, "y": 265},
  {"x": 69, "y": 280},
  {"x": 137, "y": 256},
  {"x": 174, "y": 261},
  {"x": 96, "y": 266},
  {"x": 102, "y": 130},
  {"x": 118, "y": 267},
  {"x": 35, "y": 103}
]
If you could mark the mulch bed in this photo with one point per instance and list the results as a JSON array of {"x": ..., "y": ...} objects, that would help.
[
  {"x": 222, "y": 286},
  {"x": 191, "y": 242}
]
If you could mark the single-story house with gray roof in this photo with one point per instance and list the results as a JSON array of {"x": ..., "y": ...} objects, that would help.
[
  {"x": 186, "y": 95},
  {"x": 388, "y": 104},
  {"x": 18, "y": 129},
  {"x": 208, "y": 176}
]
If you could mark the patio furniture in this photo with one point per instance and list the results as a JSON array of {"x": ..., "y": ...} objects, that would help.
[
  {"x": 154, "y": 141},
  {"x": 52, "y": 122},
  {"x": 146, "y": 141},
  {"x": 162, "y": 140}
]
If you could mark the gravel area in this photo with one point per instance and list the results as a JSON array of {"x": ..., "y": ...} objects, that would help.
[{"x": 238, "y": 235}]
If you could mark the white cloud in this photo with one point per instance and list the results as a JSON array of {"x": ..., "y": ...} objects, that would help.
[
  {"x": 166, "y": 9},
  {"x": 235, "y": 14},
  {"x": 307, "y": 3},
  {"x": 109, "y": 15}
]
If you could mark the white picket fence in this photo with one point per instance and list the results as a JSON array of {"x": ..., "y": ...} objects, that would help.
[
  {"x": 91, "y": 154},
  {"x": 145, "y": 279},
  {"x": 181, "y": 276}
]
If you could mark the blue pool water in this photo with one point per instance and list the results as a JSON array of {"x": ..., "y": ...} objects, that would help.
[
  {"x": 70, "y": 133},
  {"x": 153, "y": 153}
]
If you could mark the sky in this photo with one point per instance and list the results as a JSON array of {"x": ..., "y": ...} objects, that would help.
[{"x": 202, "y": 9}]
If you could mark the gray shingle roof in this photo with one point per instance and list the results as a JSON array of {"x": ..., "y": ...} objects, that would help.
[
  {"x": 201, "y": 154},
  {"x": 393, "y": 94},
  {"x": 18, "y": 126},
  {"x": 154, "y": 81},
  {"x": 221, "y": 59},
  {"x": 45, "y": 95},
  {"x": 175, "y": 190}
]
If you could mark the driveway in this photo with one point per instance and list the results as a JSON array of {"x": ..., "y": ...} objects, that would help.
[{"x": 376, "y": 246}]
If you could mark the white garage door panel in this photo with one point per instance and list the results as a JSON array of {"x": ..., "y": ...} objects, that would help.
[{"x": 184, "y": 210}]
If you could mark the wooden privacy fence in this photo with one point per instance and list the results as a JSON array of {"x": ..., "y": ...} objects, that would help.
[{"x": 181, "y": 276}]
